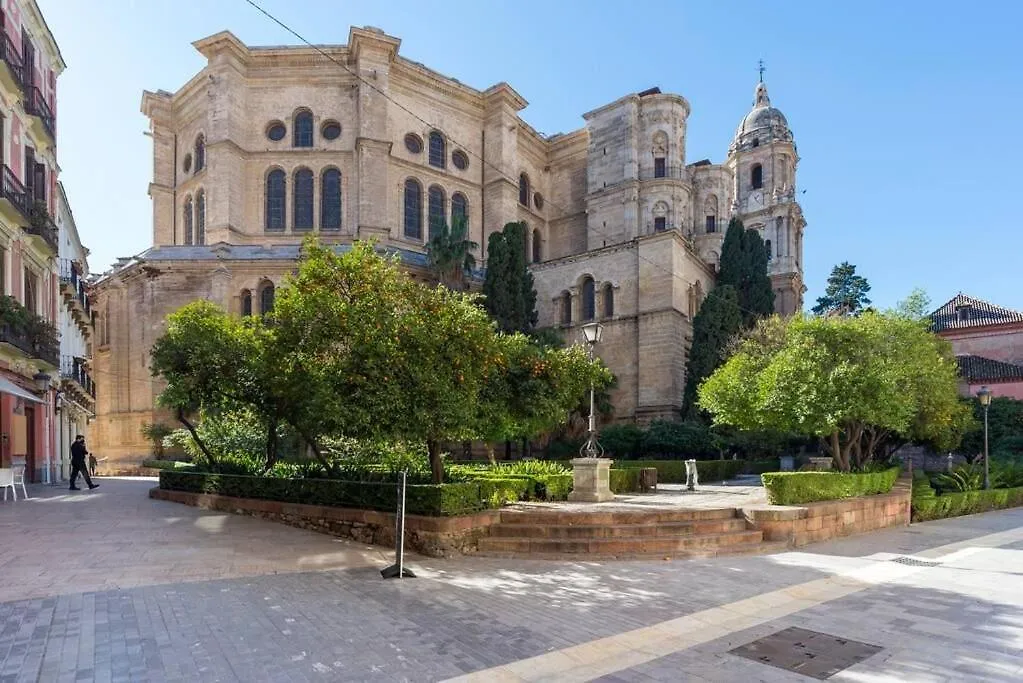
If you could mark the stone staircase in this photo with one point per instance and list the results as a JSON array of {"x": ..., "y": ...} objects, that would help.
[{"x": 559, "y": 534}]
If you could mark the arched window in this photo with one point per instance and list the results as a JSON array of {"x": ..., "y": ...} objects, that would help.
[
  {"x": 523, "y": 189},
  {"x": 438, "y": 150},
  {"x": 660, "y": 217},
  {"x": 200, "y": 153},
  {"x": 303, "y": 199},
  {"x": 537, "y": 240},
  {"x": 767, "y": 247},
  {"x": 187, "y": 219},
  {"x": 459, "y": 210},
  {"x": 609, "y": 300},
  {"x": 303, "y": 129},
  {"x": 435, "y": 209},
  {"x": 589, "y": 311},
  {"x": 710, "y": 209},
  {"x": 566, "y": 308},
  {"x": 266, "y": 299},
  {"x": 330, "y": 200},
  {"x": 275, "y": 204},
  {"x": 246, "y": 302},
  {"x": 200, "y": 217},
  {"x": 756, "y": 176},
  {"x": 413, "y": 209}
]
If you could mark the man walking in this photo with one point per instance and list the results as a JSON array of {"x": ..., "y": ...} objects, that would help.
[{"x": 78, "y": 453}]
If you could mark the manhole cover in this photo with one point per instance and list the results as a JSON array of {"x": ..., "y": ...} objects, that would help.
[
  {"x": 913, "y": 562},
  {"x": 810, "y": 653}
]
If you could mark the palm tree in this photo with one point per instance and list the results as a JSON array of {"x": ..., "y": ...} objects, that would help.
[{"x": 450, "y": 252}]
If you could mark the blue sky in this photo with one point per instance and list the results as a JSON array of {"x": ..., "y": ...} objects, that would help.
[{"x": 906, "y": 114}]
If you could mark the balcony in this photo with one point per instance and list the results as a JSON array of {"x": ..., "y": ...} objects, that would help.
[
  {"x": 76, "y": 295},
  {"x": 27, "y": 333},
  {"x": 35, "y": 105},
  {"x": 40, "y": 226},
  {"x": 13, "y": 197},
  {"x": 11, "y": 57},
  {"x": 666, "y": 173},
  {"x": 73, "y": 370}
]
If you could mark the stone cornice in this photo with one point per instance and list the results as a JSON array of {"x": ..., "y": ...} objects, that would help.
[
  {"x": 32, "y": 9},
  {"x": 586, "y": 255},
  {"x": 224, "y": 41},
  {"x": 368, "y": 37}
]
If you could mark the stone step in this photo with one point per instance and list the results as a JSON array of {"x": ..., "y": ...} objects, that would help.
[
  {"x": 697, "y": 553},
  {"x": 555, "y": 517},
  {"x": 612, "y": 547},
  {"x": 587, "y": 531}
]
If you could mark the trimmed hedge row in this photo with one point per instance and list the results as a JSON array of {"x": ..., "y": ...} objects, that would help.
[
  {"x": 420, "y": 499},
  {"x": 674, "y": 471},
  {"x": 928, "y": 505},
  {"x": 793, "y": 488},
  {"x": 624, "y": 480}
]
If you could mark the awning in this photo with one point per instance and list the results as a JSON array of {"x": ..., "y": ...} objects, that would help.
[{"x": 9, "y": 387}]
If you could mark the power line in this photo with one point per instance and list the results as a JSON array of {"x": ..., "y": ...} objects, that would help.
[{"x": 428, "y": 124}]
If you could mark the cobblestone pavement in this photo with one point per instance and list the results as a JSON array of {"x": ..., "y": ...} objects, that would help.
[{"x": 281, "y": 604}]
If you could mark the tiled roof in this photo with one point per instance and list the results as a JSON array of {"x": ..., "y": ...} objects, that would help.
[
  {"x": 980, "y": 369},
  {"x": 235, "y": 252},
  {"x": 964, "y": 311}
]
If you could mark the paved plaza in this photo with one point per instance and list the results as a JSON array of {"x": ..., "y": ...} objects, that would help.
[{"x": 112, "y": 586}]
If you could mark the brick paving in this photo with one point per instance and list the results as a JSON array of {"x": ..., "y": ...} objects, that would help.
[{"x": 130, "y": 589}]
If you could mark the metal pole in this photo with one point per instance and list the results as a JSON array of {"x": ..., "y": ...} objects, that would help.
[
  {"x": 987, "y": 478},
  {"x": 397, "y": 570}
]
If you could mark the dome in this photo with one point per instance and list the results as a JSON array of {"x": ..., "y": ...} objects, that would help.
[{"x": 763, "y": 123}]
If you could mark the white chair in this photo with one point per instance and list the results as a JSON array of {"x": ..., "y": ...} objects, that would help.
[
  {"x": 18, "y": 467},
  {"x": 7, "y": 482}
]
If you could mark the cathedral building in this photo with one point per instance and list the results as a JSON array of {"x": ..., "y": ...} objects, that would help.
[{"x": 266, "y": 145}]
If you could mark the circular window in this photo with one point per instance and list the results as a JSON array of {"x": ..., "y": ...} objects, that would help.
[
  {"x": 276, "y": 131},
  {"x": 538, "y": 201},
  {"x": 331, "y": 130},
  {"x": 460, "y": 160},
  {"x": 188, "y": 163},
  {"x": 413, "y": 143}
]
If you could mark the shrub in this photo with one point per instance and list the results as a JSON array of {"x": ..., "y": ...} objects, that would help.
[
  {"x": 622, "y": 441},
  {"x": 168, "y": 465},
  {"x": 674, "y": 471},
  {"x": 430, "y": 499},
  {"x": 563, "y": 449},
  {"x": 499, "y": 491},
  {"x": 930, "y": 506},
  {"x": 961, "y": 479},
  {"x": 761, "y": 466},
  {"x": 793, "y": 488},
  {"x": 624, "y": 481},
  {"x": 553, "y": 486},
  {"x": 680, "y": 440}
]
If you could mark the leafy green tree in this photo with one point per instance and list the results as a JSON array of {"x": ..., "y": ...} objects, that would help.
[
  {"x": 916, "y": 306},
  {"x": 510, "y": 296},
  {"x": 858, "y": 383},
  {"x": 743, "y": 265},
  {"x": 450, "y": 252},
  {"x": 718, "y": 321},
  {"x": 846, "y": 292},
  {"x": 1005, "y": 426}
]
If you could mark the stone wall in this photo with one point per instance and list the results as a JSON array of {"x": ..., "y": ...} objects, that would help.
[
  {"x": 813, "y": 522},
  {"x": 431, "y": 536}
]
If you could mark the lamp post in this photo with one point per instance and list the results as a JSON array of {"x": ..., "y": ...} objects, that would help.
[
  {"x": 984, "y": 396},
  {"x": 592, "y": 333}
]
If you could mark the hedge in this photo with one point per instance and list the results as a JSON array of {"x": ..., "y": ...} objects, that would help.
[
  {"x": 928, "y": 505},
  {"x": 420, "y": 499},
  {"x": 674, "y": 471},
  {"x": 793, "y": 488},
  {"x": 624, "y": 480}
]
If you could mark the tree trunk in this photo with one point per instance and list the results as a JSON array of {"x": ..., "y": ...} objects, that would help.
[
  {"x": 507, "y": 450},
  {"x": 317, "y": 453},
  {"x": 490, "y": 453},
  {"x": 271, "y": 443},
  {"x": 195, "y": 437},
  {"x": 436, "y": 464},
  {"x": 841, "y": 460}
]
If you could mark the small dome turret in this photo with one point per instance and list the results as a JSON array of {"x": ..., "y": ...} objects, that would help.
[{"x": 762, "y": 124}]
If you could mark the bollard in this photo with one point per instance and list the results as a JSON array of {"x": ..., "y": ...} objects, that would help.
[{"x": 397, "y": 570}]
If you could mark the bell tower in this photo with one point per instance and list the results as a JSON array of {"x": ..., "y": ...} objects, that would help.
[{"x": 763, "y": 160}]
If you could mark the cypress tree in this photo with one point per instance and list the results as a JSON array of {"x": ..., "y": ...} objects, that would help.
[
  {"x": 756, "y": 297},
  {"x": 733, "y": 261},
  {"x": 508, "y": 286},
  {"x": 498, "y": 301},
  {"x": 715, "y": 325}
]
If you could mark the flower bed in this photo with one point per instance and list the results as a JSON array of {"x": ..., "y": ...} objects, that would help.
[
  {"x": 793, "y": 488},
  {"x": 928, "y": 505}
]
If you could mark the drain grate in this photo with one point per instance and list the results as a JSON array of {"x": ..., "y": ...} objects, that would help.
[
  {"x": 913, "y": 562},
  {"x": 810, "y": 653}
]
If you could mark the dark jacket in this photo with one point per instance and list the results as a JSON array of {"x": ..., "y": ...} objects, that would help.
[{"x": 78, "y": 452}]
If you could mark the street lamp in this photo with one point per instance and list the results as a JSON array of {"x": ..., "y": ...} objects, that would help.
[
  {"x": 984, "y": 396},
  {"x": 42, "y": 381},
  {"x": 592, "y": 333}
]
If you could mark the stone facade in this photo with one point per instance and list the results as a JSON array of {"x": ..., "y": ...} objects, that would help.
[{"x": 266, "y": 145}]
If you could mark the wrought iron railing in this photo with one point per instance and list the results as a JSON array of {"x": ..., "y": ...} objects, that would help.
[
  {"x": 36, "y": 105},
  {"x": 41, "y": 225},
  {"x": 73, "y": 369},
  {"x": 13, "y": 191},
  {"x": 37, "y": 340},
  {"x": 666, "y": 173},
  {"x": 69, "y": 276},
  {"x": 11, "y": 56}
]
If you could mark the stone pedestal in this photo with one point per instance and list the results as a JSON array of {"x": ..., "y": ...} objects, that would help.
[{"x": 591, "y": 480}]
